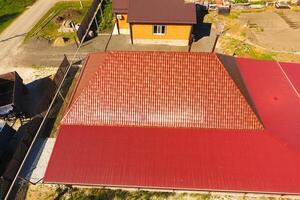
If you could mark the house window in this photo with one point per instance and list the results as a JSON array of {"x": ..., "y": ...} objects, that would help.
[
  {"x": 159, "y": 29},
  {"x": 120, "y": 17}
]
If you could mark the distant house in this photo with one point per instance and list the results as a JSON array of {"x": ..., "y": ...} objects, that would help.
[{"x": 155, "y": 21}]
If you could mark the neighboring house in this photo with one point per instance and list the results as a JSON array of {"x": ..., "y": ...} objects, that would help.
[
  {"x": 156, "y": 21},
  {"x": 181, "y": 121}
]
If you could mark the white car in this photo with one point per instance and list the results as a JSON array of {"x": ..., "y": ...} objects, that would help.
[{"x": 282, "y": 5}]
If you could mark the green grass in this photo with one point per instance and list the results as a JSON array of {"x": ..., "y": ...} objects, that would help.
[
  {"x": 47, "y": 27},
  {"x": 258, "y": 3},
  {"x": 241, "y": 1},
  {"x": 233, "y": 46},
  {"x": 108, "y": 194},
  {"x": 10, "y": 10}
]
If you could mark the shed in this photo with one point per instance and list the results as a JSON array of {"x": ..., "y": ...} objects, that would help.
[{"x": 11, "y": 92}]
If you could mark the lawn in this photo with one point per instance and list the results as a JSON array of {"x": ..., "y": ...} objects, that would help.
[
  {"x": 48, "y": 25},
  {"x": 239, "y": 48},
  {"x": 11, "y": 9}
]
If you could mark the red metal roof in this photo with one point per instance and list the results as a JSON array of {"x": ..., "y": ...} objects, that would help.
[
  {"x": 173, "y": 158},
  {"x": 276, "y": 100},
  {"x": 186, "y": 158},
  {"x": 162, "y": 89},
  {"x": 93, "y": 61},
  {"x": 292, "y": 71}
]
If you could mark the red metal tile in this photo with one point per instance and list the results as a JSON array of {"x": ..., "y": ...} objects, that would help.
[{"x": 162, "y": 89}]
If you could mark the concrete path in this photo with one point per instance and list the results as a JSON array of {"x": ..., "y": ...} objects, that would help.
[
  {"x": 36, "y": 164},
  {"x": 11, "y": 38}
]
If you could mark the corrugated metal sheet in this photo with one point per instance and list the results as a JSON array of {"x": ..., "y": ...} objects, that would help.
[
  {"x": 292, "y": 70},
  {"x": 275, "y": 99},
  {"x": 173, "y": 158}
]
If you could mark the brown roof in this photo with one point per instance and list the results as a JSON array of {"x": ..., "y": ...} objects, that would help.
[
  {"x": 120, "y": 6},
  {"x": 161, "y": 89},
  {"x": 161, "y": 11},
  {"x": 157, "y": 11}
]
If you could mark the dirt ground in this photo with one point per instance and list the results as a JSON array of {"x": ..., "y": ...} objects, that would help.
[
  {"x": 37, "y": 192},
  {"x": 259, "y": 34},
  {"x": 29, "y": 74},
  {"x": 279, "y": 30},
  {"x": 47, "y": 192}
]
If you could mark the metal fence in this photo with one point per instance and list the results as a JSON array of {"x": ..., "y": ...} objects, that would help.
[
  {"x": 88, "y": 20},
  {"x": 10, "y": 180},
  {"x": 10, "y": 185}
]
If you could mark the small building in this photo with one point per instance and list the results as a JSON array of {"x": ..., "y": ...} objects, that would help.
[
  {"x": 11, "y": 91},
  {"x": 156, "y": 21}
]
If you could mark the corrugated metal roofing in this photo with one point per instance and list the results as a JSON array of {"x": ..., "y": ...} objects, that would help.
[
  {"x": 162, "y": 89},
  {"x": 189, "y": 158},
  {"x": 173, "y": 158},
  {"x": 292, "y": 70},
  {"x": 275, "y": 99}
]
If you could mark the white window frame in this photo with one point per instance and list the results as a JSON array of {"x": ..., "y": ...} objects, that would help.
[{"x": 159, "y": 29}]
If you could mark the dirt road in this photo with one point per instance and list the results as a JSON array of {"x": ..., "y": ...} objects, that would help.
[{"x": 13, "y": 36}]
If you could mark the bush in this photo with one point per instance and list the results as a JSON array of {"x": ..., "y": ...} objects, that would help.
[
  {"x": 107, "y": 22},
  {"x": 258, "y": 3},
  {"x": 241, "y": 1}
]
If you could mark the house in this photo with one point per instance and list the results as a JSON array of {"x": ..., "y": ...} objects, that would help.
[
  {"x": 181, "y": 121},
  {"x": 156, "y": 21}
]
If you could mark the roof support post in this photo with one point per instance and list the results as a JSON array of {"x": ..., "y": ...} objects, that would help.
[
  {"x": 191, "y": 39},
  {"x": 131, "y": 33},
  {"x": 215, "y": 44},
  {"x": 117, "y": 22}
]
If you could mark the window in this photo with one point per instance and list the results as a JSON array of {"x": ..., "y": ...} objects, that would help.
[
  {"x": 159, "y": 29},
  {"x": 120, "y": 17}
]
